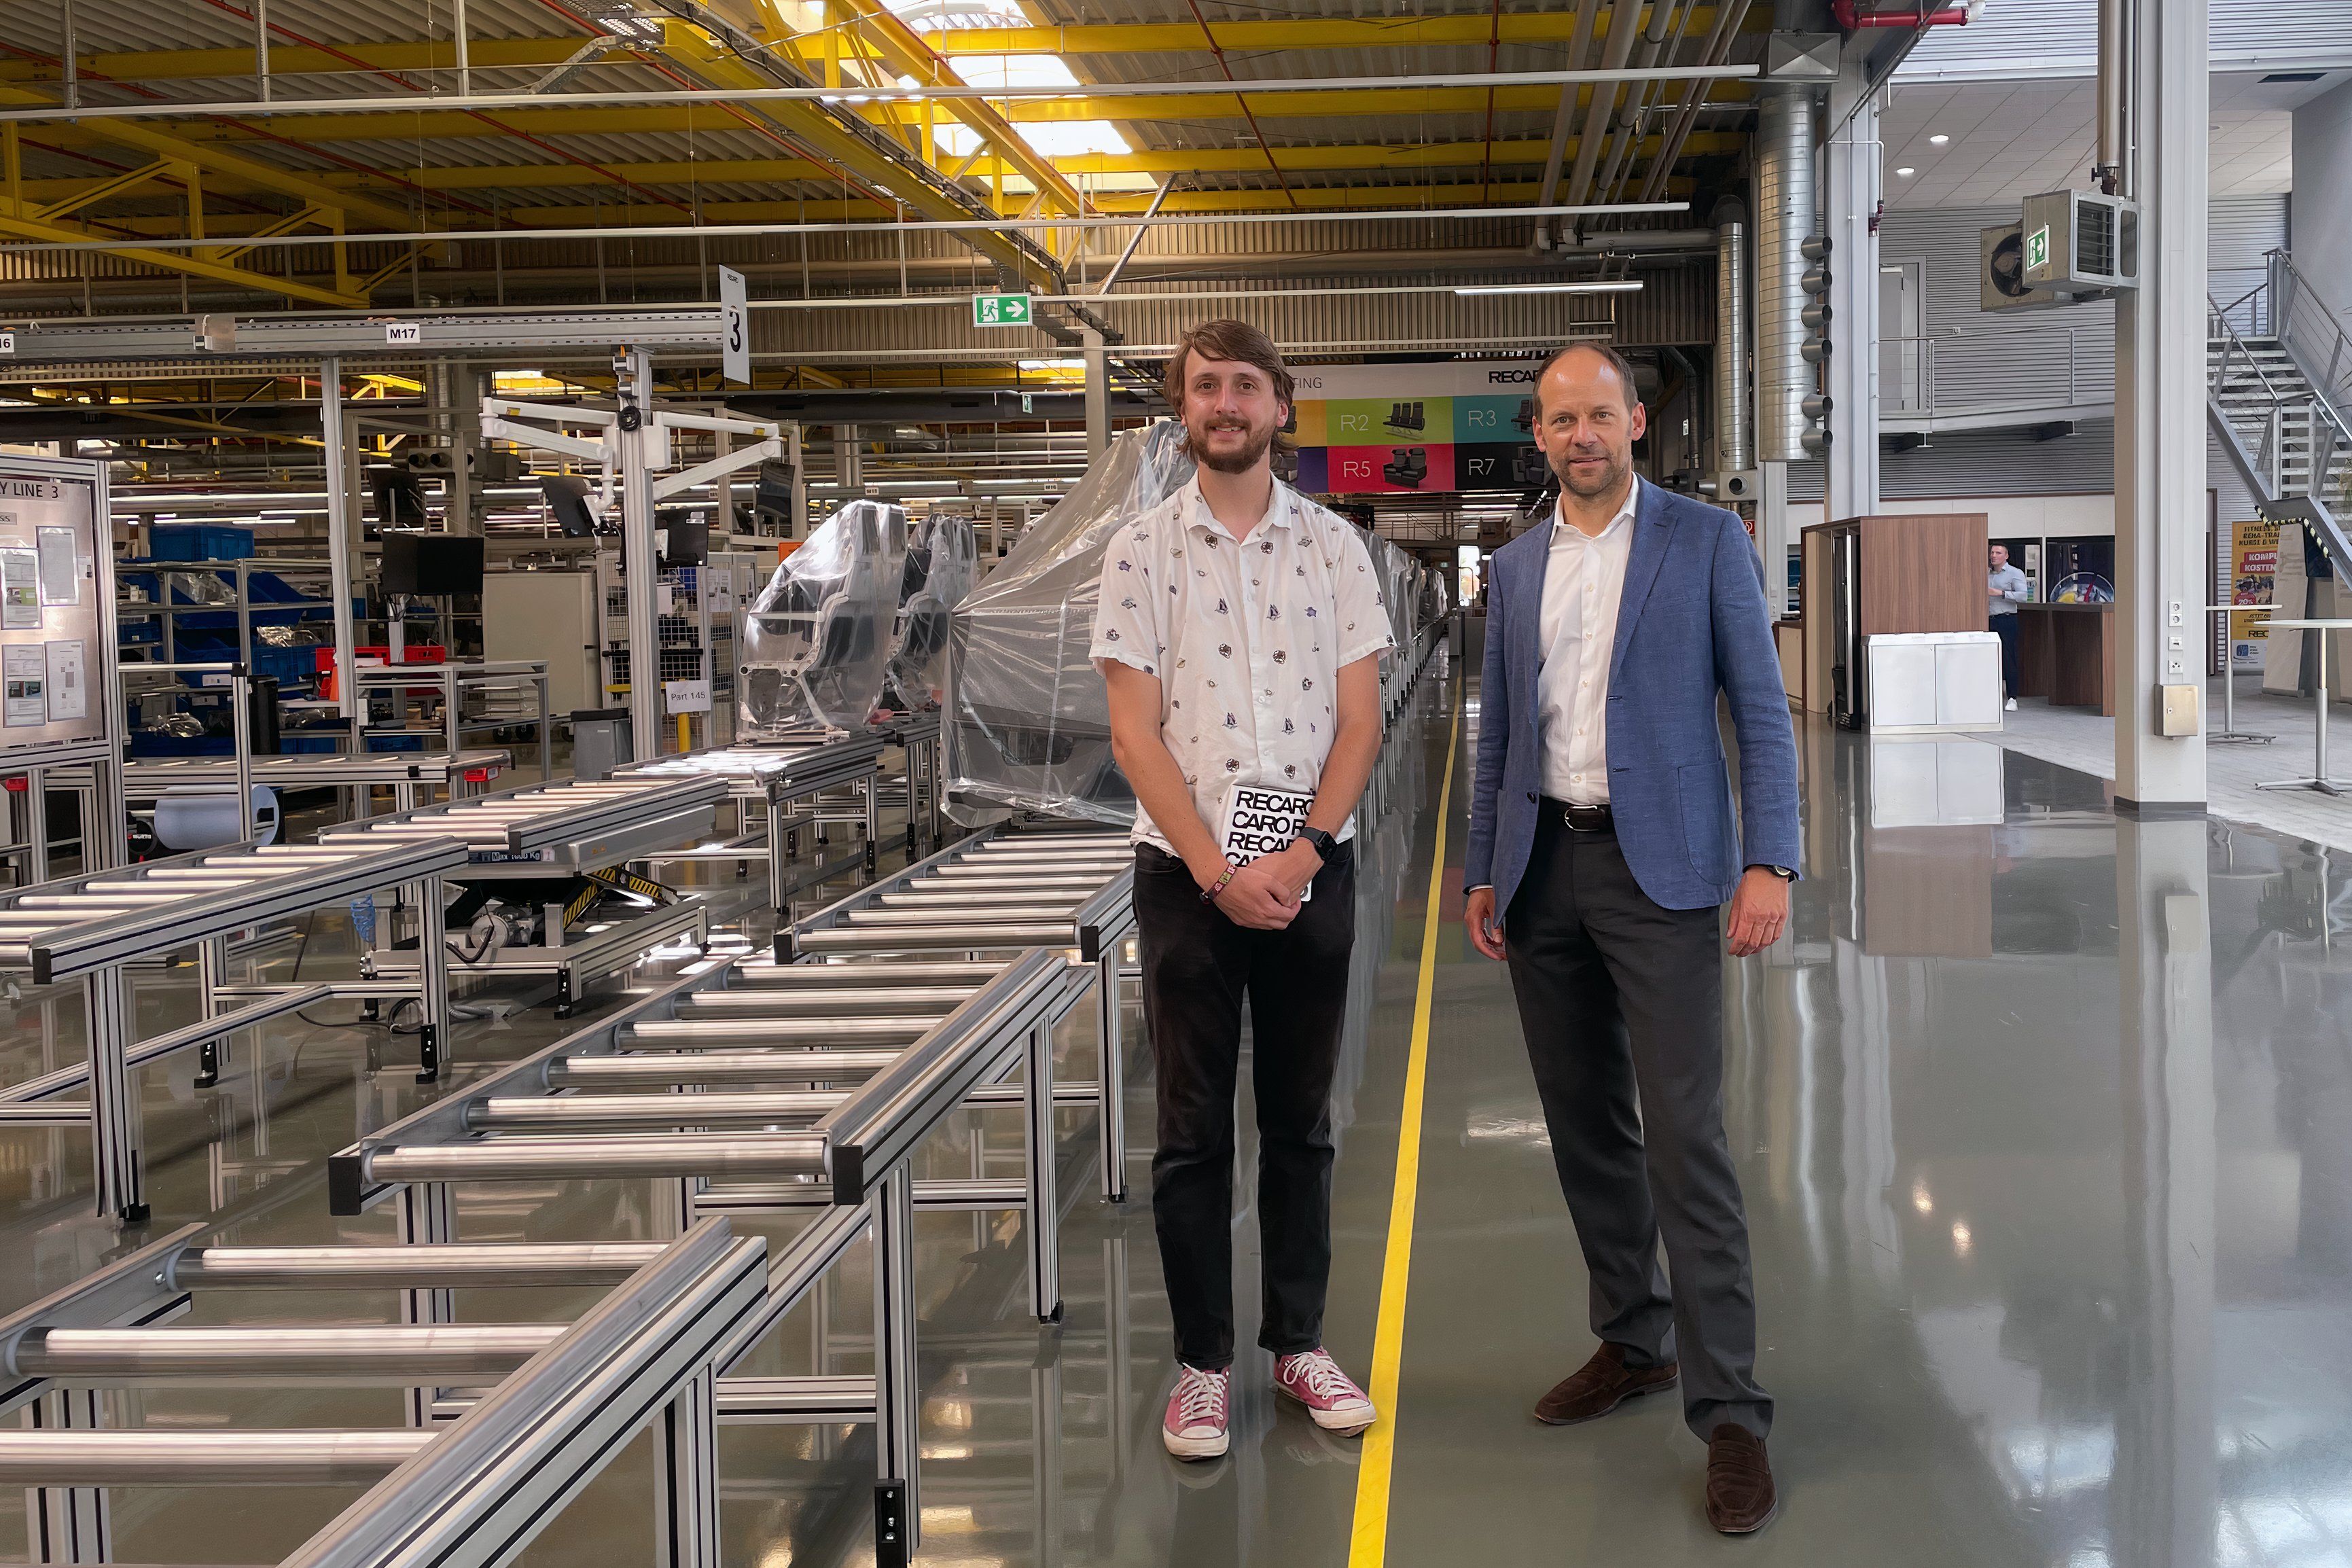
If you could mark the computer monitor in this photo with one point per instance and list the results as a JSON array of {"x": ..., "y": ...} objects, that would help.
[
  {"x": 683, "y": 537},
  {"x": 432, "y": 563},
  {"x": 771, "y": 497},
  {"x": 399, "y": 499},
  {"x": 567, "y": 498}
]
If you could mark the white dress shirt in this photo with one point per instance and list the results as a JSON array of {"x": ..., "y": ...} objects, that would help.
[
  {"x": 1247, "y": 638},
  {"x": 1583, "y": 581}
]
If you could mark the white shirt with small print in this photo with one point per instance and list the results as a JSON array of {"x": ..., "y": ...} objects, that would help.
[
  {"x": 1583, "y": 581},
  {"x": 1246, "y": 638}
]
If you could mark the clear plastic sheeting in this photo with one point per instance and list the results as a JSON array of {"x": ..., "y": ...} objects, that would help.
[
  {"x": 1399, "y": 591},
  {"x": 1436, "y": 601},
  {"x": 942, "y": 564},
  {"x": 816, "y": 642},
  {"x": 1028, "y": 726}
]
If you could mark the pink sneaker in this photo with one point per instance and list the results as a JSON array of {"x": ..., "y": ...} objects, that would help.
[
  {"x": 1194, "y": 1427},
  {"x": 1331, "y": 1397}
]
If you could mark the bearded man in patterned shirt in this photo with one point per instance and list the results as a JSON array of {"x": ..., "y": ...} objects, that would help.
[{"x": 1239, "y": 633}]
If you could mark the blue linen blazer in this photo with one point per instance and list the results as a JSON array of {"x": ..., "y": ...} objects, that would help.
[{"x": 1693, "y": 623}]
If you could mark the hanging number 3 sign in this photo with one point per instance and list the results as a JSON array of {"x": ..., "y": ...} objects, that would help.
[{"x": 734, "y": 328}]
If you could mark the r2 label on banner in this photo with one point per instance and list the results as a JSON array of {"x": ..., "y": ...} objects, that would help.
[{"x": 1258, "y": 820}]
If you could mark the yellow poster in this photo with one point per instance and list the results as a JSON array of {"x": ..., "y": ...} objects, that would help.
[{"x": 2254, "y": 574}]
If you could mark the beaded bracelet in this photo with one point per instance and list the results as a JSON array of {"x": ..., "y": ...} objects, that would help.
[{"x": 1209, "y": 895}]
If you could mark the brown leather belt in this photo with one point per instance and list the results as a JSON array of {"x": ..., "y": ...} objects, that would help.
[{"x": 1580, "y": 819}]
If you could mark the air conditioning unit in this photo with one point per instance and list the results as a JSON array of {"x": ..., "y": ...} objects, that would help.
[
  {"x": 2000, "y": 273},
  {"x": 2080, "y": 242}
]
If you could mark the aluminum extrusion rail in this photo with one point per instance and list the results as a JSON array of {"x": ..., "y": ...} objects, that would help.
[
  {"x": 535, "y": 817},
  {"x": 776, "y": 775},
  {"x": 572, "y": 828},
  {"x": 475, "y": 1490},
  {"x": 830, "y": 1075},
  {"x": 91, "y": 927}
]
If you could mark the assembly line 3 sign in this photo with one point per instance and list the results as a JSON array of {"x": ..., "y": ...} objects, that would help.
[
  {"x": 1367, "y": 429},
  {"x": 999, "y": 310}
]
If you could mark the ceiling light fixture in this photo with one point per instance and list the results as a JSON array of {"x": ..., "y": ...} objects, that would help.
[
  {"x": 1607, "y": 286},
  {"x": 1904, "y": 173},
  {"x": 1938, "y": 141}
]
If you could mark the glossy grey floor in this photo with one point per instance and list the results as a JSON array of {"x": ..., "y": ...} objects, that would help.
[{"x": 2044, "y": 1121}]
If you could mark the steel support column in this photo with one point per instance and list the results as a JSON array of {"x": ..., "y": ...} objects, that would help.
[
  {"x": 1853, "y": 177},
  {"x": 639, "y": 569},
  {"x": 897, "y": 1384},
  {"x": 1097, "y": 395},
  {"x": 1111, "y": 1078},
  {"x": 340, "y": 528},
  {"x": 2157, "y": 51},
  {"x": 1043, "y": 1222}
]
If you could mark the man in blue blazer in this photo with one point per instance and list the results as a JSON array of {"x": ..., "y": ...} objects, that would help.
[{"x": 1601, "y": 829}]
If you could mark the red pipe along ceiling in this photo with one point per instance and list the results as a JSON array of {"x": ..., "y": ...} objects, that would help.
[{"x": 1851, "y": 19}]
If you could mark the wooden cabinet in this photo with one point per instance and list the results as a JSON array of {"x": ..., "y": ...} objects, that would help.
[{"x": 1923, "y": 573}]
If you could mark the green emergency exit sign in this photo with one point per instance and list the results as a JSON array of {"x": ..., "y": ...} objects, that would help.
[
  {"x": 2037, "y": 248},
  {"x": 999, "y": 310}
]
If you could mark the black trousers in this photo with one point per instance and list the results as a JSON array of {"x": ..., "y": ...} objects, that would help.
[
  {"x": 1621, "y": 1004},
  {"x": 1197, "y": 967},
  {"x": 2005, "y": 627}
]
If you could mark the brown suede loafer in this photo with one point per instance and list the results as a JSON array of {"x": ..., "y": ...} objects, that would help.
[
  {"x": 1601, "y": 1385},
  {"x": 1740, "y": 1498}
]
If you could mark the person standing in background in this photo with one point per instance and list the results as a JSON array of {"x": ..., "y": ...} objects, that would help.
[{"x": 2005, "y": 589}]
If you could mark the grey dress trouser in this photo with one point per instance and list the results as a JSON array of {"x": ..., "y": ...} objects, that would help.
[{"x": 1621, "y": 1004}]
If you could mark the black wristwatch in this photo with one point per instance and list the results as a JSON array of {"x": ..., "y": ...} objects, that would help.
[{"x": 1324, "y": 845}]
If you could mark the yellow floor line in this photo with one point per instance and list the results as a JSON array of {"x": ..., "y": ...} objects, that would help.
[{"x": 1369, "y": 1543}]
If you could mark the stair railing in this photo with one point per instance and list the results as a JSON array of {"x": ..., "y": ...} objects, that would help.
[{"x": 2312, "y": 333}]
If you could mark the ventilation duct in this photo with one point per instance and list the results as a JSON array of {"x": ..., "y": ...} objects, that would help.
[
  {"x": 1734, "y": 432},
  {"x": 1784, "y": 221}
]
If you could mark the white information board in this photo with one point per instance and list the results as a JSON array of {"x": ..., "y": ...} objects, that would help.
[{"x": 56, "y": 592}]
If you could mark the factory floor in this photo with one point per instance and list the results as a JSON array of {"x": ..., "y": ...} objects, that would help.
[{"x": 2043, "y": 1119}]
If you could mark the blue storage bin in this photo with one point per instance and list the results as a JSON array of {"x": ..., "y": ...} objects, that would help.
[{"x": 199, "y": 542}]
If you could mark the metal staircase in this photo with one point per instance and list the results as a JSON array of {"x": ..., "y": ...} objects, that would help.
[{"x": 2278, "y": 381}]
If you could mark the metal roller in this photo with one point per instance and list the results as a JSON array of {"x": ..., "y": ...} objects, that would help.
[
  {"x": 945, "y": 914},
  {"x": 277, "y": 1356},
  {"x": 210, "y": 1458},
  {"x": 927, "y": 938},
  {"x": 982, "y": 897},
  {"x": 651, "y": 1113},
  {"x": 485, "y": 1264},
  {"x": 780, "y": 1031},
  {"x": 823, "y": 976},
  {"x": 603, "y": 1156},
  {"x": 716, "y": 1067},
  {"x": 841, "y": 1001}
]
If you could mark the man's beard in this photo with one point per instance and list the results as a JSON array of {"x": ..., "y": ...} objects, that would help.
[
  {"x": 1240, "y": 462},
  {"x": 1613, "y": 475}
]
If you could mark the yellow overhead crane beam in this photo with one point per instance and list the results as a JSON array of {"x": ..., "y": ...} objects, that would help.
[
  {"x": 16, "y": 223},
  {"x": 198, "y": 145},
  {"x": 1466, "y": 29}
]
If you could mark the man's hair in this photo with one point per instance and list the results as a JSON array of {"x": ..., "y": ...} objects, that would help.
[
  {"x": 1228, "y": 340},
  {"x": 1616, "y": 361}
]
